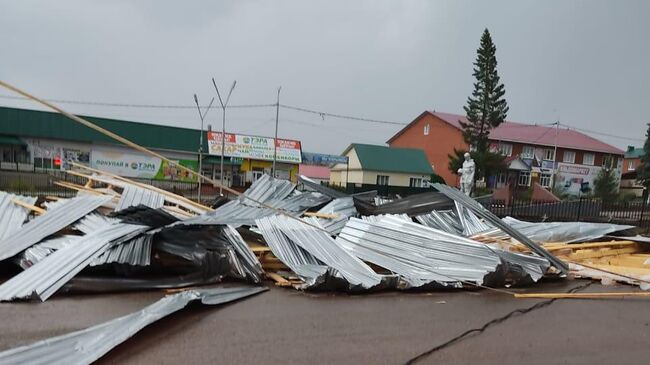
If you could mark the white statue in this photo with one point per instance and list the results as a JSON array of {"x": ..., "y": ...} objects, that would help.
[{"x": 467, "y": 175}]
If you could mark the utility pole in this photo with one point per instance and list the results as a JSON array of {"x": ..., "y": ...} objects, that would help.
[
  {"x": 554, "y": 173},
  {"x": 202, "y": 117},
  {"x": 275, "y": 140},
  {"x": 223, "y": 127}
]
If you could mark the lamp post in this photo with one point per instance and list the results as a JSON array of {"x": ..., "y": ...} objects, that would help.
[
  {"x": 223, "y": 127},
  {"x": 275, "y": 140},
  {"x": 202, "y": 117}
]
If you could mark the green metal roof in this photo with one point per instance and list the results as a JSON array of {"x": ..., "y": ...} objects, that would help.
[
  {"x": 11, "y": 140},
  {"x": 382, "y": 158},
  {"x": 633, "y": 152},
  {"x": 38, "y": 124}
]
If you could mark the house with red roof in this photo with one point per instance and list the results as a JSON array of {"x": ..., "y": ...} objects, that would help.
[{"x": 532, "y": 151}]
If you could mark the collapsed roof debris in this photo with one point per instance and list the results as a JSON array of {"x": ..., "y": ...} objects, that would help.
[
  {"x": 88, "y": 345},
  {"x": 12, "y": 216},
  {"x": 62, "y": 215}
]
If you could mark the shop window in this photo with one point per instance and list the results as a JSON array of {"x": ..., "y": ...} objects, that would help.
[
  {"x": 569, "y": 157},
  {"x": 545, "y": 180},
  {"x": 382, "y": 180},
  {"x": 528, "y": 152},
  {"x": 588, "y": 159},
  {"x": 524, "y": 178},
  {"x": 415, "y": 182}
]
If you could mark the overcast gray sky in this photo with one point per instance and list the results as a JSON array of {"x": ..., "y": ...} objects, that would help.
[{"x": 582, "y": 62}]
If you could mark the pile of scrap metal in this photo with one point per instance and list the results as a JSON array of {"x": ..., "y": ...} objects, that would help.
[{"x": 118, "y": 234}]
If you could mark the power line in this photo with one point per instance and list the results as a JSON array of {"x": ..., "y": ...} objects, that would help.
[
  {"x": 139, "y": 106},
  {"x": 341, "y": 116},
  {"x": 602, "y": 133}
]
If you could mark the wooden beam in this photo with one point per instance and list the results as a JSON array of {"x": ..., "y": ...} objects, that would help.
[
  {"x": 321, "y": 215},
  {"x": 582, "y": 295},
  {"x": 33, "y": 208},
  {"x": 279, "y": 280}
]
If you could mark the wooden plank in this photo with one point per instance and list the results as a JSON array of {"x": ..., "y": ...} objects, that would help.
[
  {"x": 582, "y": 295},
  {"x": 578, "y": 246},
  {"x": 279, "y": 280},
  {"x": 592, "y": 254},
  {"x": 321, "y": 215},
  {"x": 33, "y": 208},
  {"x": 260, "y": 249}
]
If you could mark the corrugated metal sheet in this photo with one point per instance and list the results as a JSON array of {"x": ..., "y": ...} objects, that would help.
[
  {"x": 480, "y": 211},
  {"x": 344, "y": 208},
  {"x": 568, "y": 232},
  {"x": 51, "y": 222},
  {"x": 423, "y": 255},
  {"x": 47, "y": 276},
  {"x": 133, "y": 196},
  {"x": 321, "y": 245},
  {"x": 135, "y": 252},
  {"x": 88, "y": 345},
  {"x": 39, "y": 251},
  {"x": 12, "y": 216}
]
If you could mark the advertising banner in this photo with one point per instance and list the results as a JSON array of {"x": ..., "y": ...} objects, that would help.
[
  {"x": 257, "y": 148},
  {"x": 323, "y": 159},
  {"x": 133, "y": 164}
]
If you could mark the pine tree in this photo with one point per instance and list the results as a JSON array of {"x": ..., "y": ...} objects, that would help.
[
  {"x": 487, "y": 107},
  {"x": 643, "y": 171}
]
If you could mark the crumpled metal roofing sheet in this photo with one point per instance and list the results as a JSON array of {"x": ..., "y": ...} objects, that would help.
[
  {"x": 320, "y": 188},
  {"x": 320, "y": 244},
  {"x": 422, "y": 255},
  {"x": 88, "y": 345},
  {"x": 135, "y": 252},
  {"x": 43, "y": 249},
  {"x": 47, "y": 276},
  {"x": 344, "y": 208},
  {"x": 569, "y": 232},
  {"x": 444, "y": 220},
  {"x": 12, "y": 216},
  {"x": 51, "y": 222},
  {"x": 134, "y": 196},
  {"x": 480, "y": 211}
]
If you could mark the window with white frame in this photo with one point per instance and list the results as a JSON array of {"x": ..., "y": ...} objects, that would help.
[
  {"x": 608, "y": 161},
  {"x": 427, "y": 128},
  {"x": 528, "y": 152},
  {"x": 545, "y": 180},
  {"x": 505, "y": 149},
  {"x": 382, "y": 180},
  {"x": 549, "y": 154},
  {"x": 415, "y": 182},
  {"x": 630, "y": 165},
  {"x": 524, "y": 178},
  {"x": 569, "y": 157},
  {"x": 588, "y": 158}
]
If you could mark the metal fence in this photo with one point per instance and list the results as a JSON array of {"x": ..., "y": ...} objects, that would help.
[{"x": 584, "y": 209}]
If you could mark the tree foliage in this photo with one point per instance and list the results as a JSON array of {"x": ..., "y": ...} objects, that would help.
[
  {"x": 487, "y": 107},
  {"x": 487, "y": 163},
  {"x": 605, "y": 185},
  {"x": 643, "y": 171}
]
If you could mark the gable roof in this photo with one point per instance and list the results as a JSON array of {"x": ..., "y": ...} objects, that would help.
[
  {"x": 383, "y": 158},
  {"x": 528, "y": 133}
]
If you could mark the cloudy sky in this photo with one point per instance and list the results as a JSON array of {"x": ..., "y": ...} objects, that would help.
[{"x": 582, "y": 62}]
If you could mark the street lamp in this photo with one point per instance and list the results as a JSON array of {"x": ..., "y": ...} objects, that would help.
[
  {"x": 223, "y": 126},
  {"x": 202, "y": 117}
]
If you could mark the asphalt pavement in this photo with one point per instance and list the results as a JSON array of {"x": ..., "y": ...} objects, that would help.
[{"x": 291, "y": 327}]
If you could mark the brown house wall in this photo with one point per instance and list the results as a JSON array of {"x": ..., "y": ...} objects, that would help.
[{"x": 440, "y": 142}]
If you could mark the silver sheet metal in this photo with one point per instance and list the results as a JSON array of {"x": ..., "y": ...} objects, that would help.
[
  {"x": 135, "y": 252},
  {"x": 422, "y": 255},
  {"x": 444, "y": 220},
  {"x": 88, "y": 345},
  {"x": 569, "y": 232},
  {"x": 48, "y": 275},
  {"x": 12, "y": 216},
  {"x": 133, "y": 196},
  {"x": 268, "y": 190},
  {"x": 320, "y": 245},
  {"x": 51, "y": 222},
  {"x": 344, "y": 208},
  {"x": 41, "y": 250},
  {"x": 480, "y": 211}
]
